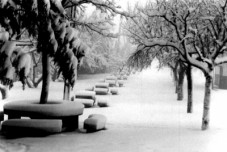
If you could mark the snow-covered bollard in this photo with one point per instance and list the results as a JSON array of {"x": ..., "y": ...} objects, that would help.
[
  {"x": 125, "y": 77},
  {"x": 83, "y": 94},
  {"x": 101, "y": 80},
  {"x": 102, "y": 103},
  {"x": 90, "y": 89},
  {"x": 95, "y": 122},
  {"x": 101, "y": 91},
  {"x": 102, "y": 85},
  {"x": 120, "y": 83},
  {"x": 111, "y": 78},
  {"x": 119, "y": 77},
  {"x": 88, "y": 103},
  {"x": 112, "y": 83},
  {"x": 114, "y": 91},
  {"x": 87, "y": 98}
]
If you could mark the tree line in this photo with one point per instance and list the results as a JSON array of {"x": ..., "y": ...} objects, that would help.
[{"x": 181, "y": 34}]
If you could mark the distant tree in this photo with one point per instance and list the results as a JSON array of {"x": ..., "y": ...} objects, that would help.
[
  {"x": 104, "y": 54},
  {"x": 97, "y": 57},
  {"x": 196, "y": 29},
  {"x": 36, "y": 70}
]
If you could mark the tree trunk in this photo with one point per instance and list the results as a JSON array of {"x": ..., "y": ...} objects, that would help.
[
  {"x": 34, "y": 74},
  {"x": 190, "y": 89},
  {"x": 66, "y": 95},
  {"x": 34, "y": 68},
  {"x": 180, "y": 91},
  {"x": 38, "y": 81},
  {"x": 5, "y": 91},
  {"x": 174, "y": 69},
  {"x": 43, "y": 39},
  {"x": 206, "y": 104},
  {"x": 175, "y": 77},
  {"x": 54, "y": 75},
  {"x": 46, "y": 78},
  {"x": 29, "y": 83}
]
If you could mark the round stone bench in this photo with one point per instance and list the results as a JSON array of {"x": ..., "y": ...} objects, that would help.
[
  {"x": 111, "y": 78},
  {"x": 88, "y": 103},
  {"x": 102, "y": 103},
  {"x": 125, "y": 77},
  {"x": 89, "y": 89},
  {"x": 67, "y": 111},
  {"x": 101, "y": 80},
  {"x": 112, "y": 83},
  {"x": 101, "y": 91},
  {"x": 95, "y": 122},
  {"x": 119, "y": 77},
  {"x": 85, "y": 95},
  {"x": 102, "y": 85},
  {"x": 31, "y": 127},
  {"x": 114, "y": 91},
  {"x": 120, "y": 83}
]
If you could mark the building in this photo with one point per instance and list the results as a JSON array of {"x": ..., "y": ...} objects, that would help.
[{"x": 220, "y": 77}]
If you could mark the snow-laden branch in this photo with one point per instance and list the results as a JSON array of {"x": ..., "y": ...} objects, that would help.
[
  {"x": 203, "y": 59},
  {"x": 108, "y": 5},
  {"x": 163, "y": 42},
  {"x": 165, "y": 17},
  {"x": 96, "y": 28},
  {"x": 194, "y": 62},
  {"x": 220, "y": 60},
  {"x": 220, "y": 48}
]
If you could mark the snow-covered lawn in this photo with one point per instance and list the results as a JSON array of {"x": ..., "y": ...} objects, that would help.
[{"x": 144, "y": 117}]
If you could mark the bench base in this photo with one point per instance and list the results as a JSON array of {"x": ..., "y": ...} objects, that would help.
[
  {"x": 31, "y": 127},
  {"x": 1, "y": 116}
]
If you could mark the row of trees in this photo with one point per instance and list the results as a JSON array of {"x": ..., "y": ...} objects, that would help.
[{"x": 184, "y": 33}]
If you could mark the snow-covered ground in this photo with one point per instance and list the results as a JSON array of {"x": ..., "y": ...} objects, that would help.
[{"x": 144, "y": 117}]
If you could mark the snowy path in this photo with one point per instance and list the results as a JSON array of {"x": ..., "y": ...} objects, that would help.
[{"x": 144, "y": 117}]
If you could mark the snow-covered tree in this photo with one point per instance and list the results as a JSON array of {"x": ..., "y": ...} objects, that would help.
[
  {"x": 56, "y": 33},
  {"x": 143, "y": 26},
  {"x": 195, "y": 29}
]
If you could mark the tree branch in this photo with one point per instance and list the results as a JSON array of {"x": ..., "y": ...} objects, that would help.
[{"x": 220, "y": 60}]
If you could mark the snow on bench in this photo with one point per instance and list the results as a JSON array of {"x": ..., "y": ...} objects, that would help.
[
  {"x": 120, "y": 83},
  {"x": 102, "y": 85},
  {"x": 84, "y": 94},
  {"x": 88, "y": 103},
  {"x": 114, "y": 91},
  {"x": 95, "y": 122},
  {"x": 101, "y": 91},
  {"x": 102, "y": 103}
]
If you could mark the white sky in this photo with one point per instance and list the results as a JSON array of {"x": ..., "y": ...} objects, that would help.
[
  {"x": 124, "y": 3},
  {"x": 124, "y": 6}
]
